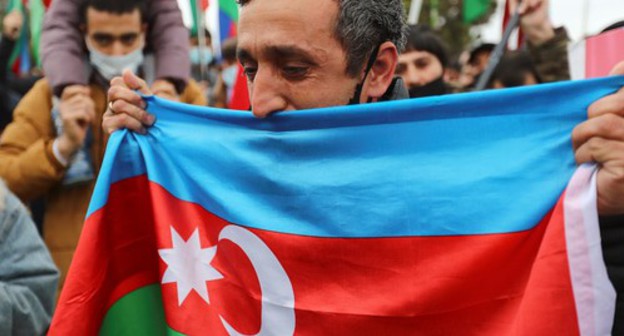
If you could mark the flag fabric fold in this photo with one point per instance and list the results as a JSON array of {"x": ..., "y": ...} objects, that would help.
[{"x": 437, "y": 216}]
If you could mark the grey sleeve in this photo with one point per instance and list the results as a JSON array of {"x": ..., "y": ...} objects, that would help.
[
  {"x": 62, "y": 46},
  {"x": 28, "y": 277}
]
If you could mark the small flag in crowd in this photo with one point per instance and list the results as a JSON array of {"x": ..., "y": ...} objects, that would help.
[
  {"x": 473, "y": 10},
  {"x": 26, "y": 53},
  {"x": 445, "y": 215},
  {"x": 222, "y": 20}
]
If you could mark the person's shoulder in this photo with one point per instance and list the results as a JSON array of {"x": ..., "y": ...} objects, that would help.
[
  {"x": 9, "y": 206},
  {"x": 40, "y": 90},
  {"x": 193, "y": 94},
  {"x": 36, "y": 104},
  {"x": 43, "y": 86}
]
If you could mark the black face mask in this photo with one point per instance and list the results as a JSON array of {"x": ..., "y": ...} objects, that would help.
[
  {"x": 435, "y": 88},
  {"x": 358, "y": 89}
]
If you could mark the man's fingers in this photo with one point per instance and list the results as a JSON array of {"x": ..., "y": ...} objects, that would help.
[
  {"x": 118, "y": 81},
  {"x": 75, "y": 90},
  {"x": 135, "y": 83},
  {"x": 121, "y": 107},
  {"x": 618, "y": 69},
  {"x": 121, "y": 93},
  {"x": 126, "y": 108},
  {"x": 608, "y": 126},
  {"x": 81, "y": 116},
  {"x": 599, "y": 150},
  {"x": 113, "y": 122},
  {"x": 610, "y": 183},
  {"x": 613, "y": 103}
]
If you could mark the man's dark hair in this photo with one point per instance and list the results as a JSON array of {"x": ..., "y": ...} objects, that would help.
[
  {"x": 485, "y": 48},
  {"x": 513, "y": 69},
  {"x": 113, "y": 6},
  {"x": 363, "y": 25},
  {"x": 228, "y": 49},
  {"x": 422, "y": 38},
  {"x": 615, "y": 25}
]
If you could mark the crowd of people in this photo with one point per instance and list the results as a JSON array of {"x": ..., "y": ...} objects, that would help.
[{"x": 54, "y": 128}]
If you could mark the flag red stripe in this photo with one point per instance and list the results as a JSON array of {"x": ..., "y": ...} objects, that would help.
[{"x": 520, "y": 281}]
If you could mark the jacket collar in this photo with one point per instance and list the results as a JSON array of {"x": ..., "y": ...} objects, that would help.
[{"x": 396, "y": 91}]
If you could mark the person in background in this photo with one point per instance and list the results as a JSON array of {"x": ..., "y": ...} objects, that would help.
[
  {"x": 63, "y": 46},
  {"x": 200, "y": 56},
  {"x": 547, "y": 46},
  {"x": 11, "y": 28},
  {"x": 478, "y": 60},
  {"x": 515, "y": 69},
  {"x": 28, "y": 276},
  {"x": 423, "y": 62},
  {"x": 203, "y": 59},
  {"x": 54, "y": 147},
  {"x": 222, "y": 93},
  {"x": 452, "y": 74}
]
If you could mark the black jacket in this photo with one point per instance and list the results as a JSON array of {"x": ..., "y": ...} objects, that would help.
[{"x": 612, "y": 234}]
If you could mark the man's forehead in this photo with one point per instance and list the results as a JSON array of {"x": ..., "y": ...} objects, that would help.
[
  {"x": 103, "y": 19},
  {"x": 413, "y": 55},
  {"x": 298, "y": 14}
]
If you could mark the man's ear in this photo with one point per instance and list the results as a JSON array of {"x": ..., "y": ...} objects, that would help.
[
  {"x": 381, "y": 74},
  {"x": 144, "y": 28}
]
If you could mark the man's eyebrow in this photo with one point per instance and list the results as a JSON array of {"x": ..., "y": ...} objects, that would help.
[
  {"x": 290, "y": 52},
  {"x": 279, "y": 53},
  {"x": 243, "y": 55}
]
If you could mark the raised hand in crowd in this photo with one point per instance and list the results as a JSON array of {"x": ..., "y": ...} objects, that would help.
[
  {"x": 12, "y": 25},
  {"x": 534, "y": 20},
  {"x": 601, "y": 139},
  {"x": 77, "y": 111}
]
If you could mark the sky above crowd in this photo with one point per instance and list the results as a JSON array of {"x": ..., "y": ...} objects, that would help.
[{"x": 580, "y": 17}]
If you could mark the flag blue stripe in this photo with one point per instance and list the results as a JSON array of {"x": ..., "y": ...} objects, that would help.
[{"x": 479, "y": 163}]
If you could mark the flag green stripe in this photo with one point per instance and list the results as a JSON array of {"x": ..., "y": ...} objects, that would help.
[
  {"x": 193, "y": 4},
  {"x": 230, "y": 8},
  {"x": 15, "y": 5},
  {"x": 139, "y": 313},
  {"x": 474, "y": 9},
  {"x": 37, "y": 11}
]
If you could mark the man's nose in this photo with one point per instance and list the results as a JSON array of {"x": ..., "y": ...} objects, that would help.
[
  {"x": 118, "y": 49},
  {"x": 267, "y": 94}
]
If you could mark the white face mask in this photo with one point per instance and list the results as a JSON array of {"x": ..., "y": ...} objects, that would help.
[
  {"x": 229, "y": 75},
  {"x": 111, "y": 66}
]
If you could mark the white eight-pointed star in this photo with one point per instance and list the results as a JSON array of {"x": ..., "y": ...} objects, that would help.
[{"x": 188, "y": 265}]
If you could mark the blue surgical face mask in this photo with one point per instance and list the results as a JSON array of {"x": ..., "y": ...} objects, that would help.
[
  {"x": 111, "y": 66},
  {"x": 229, "y": 75},
  {"x": 200, "y": 55}
]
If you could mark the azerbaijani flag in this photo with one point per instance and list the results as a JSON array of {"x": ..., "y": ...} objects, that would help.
[
  {"x": 222, "y": 18},
  {"x": 27, "y": 49},
  {"x": 440, "y": 216},
  {"x": 222, "y": 22}
]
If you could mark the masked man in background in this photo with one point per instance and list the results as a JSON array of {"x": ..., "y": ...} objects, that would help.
[{"x": 54, "y": 147}]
